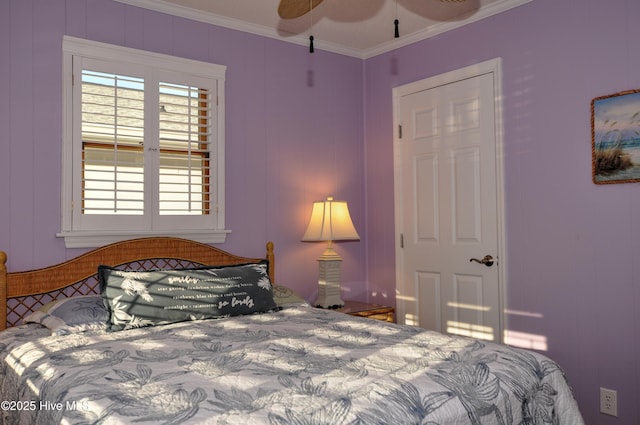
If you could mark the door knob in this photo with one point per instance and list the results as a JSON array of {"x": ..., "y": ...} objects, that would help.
[{"x": 487, "y": 260}]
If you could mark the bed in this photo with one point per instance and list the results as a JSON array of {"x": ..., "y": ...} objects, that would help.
[{"x": 226, "y": 344}]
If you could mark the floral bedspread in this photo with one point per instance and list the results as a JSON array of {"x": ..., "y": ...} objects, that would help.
[{"x": 300, "y": 365}]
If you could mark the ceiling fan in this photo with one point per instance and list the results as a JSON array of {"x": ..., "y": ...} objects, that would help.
[{"x": 291, "y": 9}]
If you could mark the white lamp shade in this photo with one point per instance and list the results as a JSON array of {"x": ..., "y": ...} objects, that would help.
[{"x": 330, "y": 221}]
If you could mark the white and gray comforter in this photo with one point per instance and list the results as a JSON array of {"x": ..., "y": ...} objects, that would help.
[{"x": 299, "y": 366}]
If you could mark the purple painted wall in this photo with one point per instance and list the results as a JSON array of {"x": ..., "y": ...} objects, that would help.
[
  {"x": 572, "y": 246},
  {"x": 301, "y": 127},
  {"x": 294, "y": 131}
]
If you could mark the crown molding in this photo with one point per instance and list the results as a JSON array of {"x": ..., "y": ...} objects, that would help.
[
  {"x": 264, "y": 31},
  {"x": 442, "y": 27},
  {"x": 236, "y": 24}
]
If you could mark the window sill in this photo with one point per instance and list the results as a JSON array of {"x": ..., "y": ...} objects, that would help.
[{"x": 91, "y": 239}]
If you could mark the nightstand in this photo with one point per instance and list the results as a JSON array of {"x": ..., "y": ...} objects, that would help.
[{"x": 372, "y": 311}]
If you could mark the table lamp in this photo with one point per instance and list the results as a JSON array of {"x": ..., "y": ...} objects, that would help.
[{"x": 330, "y": 221}]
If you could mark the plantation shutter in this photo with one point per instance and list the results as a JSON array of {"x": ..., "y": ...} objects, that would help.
[
  {"x": 112, "y": 144},
  {"x": 115, "y": 156},
  {"x": 185, "y": 134},
  {"x": 143, "y": 150}
]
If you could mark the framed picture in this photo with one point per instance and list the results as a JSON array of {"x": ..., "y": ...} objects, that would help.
[{"x": 615, "y": 138}]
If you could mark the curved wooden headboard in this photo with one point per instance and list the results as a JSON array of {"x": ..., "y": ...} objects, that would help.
[{"x": 45, "y": 280}]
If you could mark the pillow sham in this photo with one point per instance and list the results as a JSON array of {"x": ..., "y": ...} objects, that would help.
[
  {"x": 157, "y": 297},
  {"x": 72, "y": 315}
]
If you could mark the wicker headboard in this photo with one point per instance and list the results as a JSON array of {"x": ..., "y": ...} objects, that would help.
[{"x": 26, "y": 291}]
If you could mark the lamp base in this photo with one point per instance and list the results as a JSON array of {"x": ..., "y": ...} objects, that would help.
[{"x": 329, "y": 280}]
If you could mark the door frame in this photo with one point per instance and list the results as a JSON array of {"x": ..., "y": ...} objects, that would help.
[{"x": 493, "y": 66}]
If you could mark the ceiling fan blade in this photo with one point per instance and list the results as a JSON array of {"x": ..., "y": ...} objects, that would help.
[{"x": 289, "y": 9}]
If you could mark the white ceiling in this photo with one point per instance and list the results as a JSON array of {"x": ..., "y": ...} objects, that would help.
[{"x": 359, "y": 28}]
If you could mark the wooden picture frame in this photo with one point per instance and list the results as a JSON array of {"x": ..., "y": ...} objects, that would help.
[{"x": 615, "y": 138}]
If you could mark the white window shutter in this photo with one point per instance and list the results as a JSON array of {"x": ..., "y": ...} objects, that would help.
[{"x": 144, "y": 138}]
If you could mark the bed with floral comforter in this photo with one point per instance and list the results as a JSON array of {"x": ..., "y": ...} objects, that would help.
[{"x": 298, "y": 365}]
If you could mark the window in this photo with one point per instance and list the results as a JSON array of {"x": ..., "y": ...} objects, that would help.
[{"x": 143, "y": 146}]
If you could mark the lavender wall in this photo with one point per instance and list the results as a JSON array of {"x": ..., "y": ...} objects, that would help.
[
  {"x": 293, "y": 130},
  {"x": 573, "y": 246}
]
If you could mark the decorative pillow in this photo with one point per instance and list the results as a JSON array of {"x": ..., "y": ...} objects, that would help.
[
  {"x": 148, "y": 298},
  {"x": 72, "y": 315},
  {"x": 285, "y": 297}
]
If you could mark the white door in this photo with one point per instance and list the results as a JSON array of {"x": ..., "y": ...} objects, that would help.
[{"x": 449, "y": 218}]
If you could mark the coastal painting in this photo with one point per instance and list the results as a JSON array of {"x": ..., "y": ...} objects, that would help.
[{"x": 615, "y": 138}]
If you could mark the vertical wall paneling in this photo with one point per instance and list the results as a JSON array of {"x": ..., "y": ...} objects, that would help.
[{"x": 5, "y": 122}]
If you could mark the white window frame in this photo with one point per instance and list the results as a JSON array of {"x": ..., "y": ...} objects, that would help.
[{"x": 76, "y": 234}]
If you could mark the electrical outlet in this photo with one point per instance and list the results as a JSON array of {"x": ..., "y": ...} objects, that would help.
[{"x": 608, "y": 402}]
